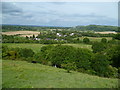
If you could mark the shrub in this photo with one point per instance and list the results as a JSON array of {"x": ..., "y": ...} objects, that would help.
[
  {"x": 24, "y": 52},
  {"x": 114, "y": 55},
  {"x": 69, "y": 66},
  {"x": 59, "y": 54},
  {"x": 98, "y": 47},
  {"x": 82, "y": 58},
  {"x": 86, "y": 40},
  {"x": 112, "y": 72},
  {"x": 12, "y": 55},
  {"x": 100, "y": 65},
  {"x": 104, "y": 40}
]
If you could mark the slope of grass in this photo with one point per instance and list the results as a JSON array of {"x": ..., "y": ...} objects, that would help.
[{"x": 20, "y": 74}]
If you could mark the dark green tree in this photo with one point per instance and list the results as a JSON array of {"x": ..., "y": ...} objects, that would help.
[
  {"x": 82, "y": 58},
  {"x": 117, "y": 36},
  {"x": 98, "y": 47},
  {"x": 104, "y": 40},
  {"x": 100, "y": 64},
  {"x": 114, "y": 55},
  {"x": 24, "y": 52},
  {"x": 33, "y": 36},
  {"x": 60, "y": 54},
  {"x": 86, "y": 40}
]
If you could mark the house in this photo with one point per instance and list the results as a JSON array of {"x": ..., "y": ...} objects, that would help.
[
  {"x": 65, "y": 35},
  {"x": 58, "y": 34},
  {"x": 36, "y": 38},
  {"x": 71, "y": 34}
]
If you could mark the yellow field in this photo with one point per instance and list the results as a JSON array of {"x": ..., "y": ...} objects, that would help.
[
  {"x": 107, "y": 32},
  {"x": 22, "y": 33}
]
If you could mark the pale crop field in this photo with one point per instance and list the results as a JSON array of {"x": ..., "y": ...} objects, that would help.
[
  {"x": 107, "y": 32},
  {"x": 22, "y": 33}
]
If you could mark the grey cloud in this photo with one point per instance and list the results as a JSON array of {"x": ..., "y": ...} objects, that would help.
[
  {"x": 9, "y": 8},
  {"x": 58, "y": 3},
  {"x": 81, "y": 15}
]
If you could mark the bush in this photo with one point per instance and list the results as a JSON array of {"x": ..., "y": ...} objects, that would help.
[
  {"x": 104, "y": 40},
  {"x": 100, "y": 65},
  {"x": 59, "y": 54},
  {"x": 114, "y": 55},
  {"x": 12, "y": 55},
  {"x": 86, "y": 40},
  {"x": 69, "y": 66},
  {"x": 98, "y": 47},
  {"x": 117, "y": 36},
  {"x": 82, "y": 58},
  {"x": 112, "y": 72},
  {"x": 24, "y": 52}
]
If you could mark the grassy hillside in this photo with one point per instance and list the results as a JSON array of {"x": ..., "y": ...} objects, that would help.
[
  {"x": 20, "y": 74},
  {"x": 36, "y": 47}
]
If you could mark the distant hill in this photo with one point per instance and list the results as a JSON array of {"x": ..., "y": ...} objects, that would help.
[
  {"x": 6, "y": 28},
  {"x": 101, "y": 28},
  {"x": 95, "y": 28}
]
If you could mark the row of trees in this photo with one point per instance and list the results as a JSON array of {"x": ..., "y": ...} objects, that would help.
[{"x": 101, "y": 61}]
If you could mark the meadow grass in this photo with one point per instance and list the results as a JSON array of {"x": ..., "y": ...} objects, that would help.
[
  {"x": 21, "y": 74},
  {"x": 34, "y": 47},
  {"x": 98, "y": 39},
  {"x": 80, "y": 45},
  {"x": 37, "y": 47}
]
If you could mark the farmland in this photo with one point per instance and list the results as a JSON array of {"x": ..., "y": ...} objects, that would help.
[
  {"x": 34, "y": 47},
  {"x": 22, "y": 33},
  {"x": 37, "y": 47},
  {"x": 98, "y": 39},
  {"x": 20, "y": 74}
]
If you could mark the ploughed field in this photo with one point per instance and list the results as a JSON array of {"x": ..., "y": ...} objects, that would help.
[{"x": 21, "y": 74}]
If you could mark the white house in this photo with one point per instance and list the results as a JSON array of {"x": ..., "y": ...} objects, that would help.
[{"x": 71, "y": 34}]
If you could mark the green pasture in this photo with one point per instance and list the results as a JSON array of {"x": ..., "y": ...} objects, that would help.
[
  {"x": 34, "y": 47},
  {"x": 81, "y": 45},
  {"x": 37, "y": 47},
  {"x": 21, "y": 74},
  {"x": 96, "y": 38}
]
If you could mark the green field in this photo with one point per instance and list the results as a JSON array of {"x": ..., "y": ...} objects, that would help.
[
  {"x": 20, "y": 74},
  {"x": 96, "y": 38},
  {"x": 36, "y": 47},
  {"x": 80, "y": 46}
]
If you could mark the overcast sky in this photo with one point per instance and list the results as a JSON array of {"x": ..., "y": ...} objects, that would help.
[{"x": 60, "y": 13}]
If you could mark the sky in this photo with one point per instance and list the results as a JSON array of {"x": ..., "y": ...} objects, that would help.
[{"x": 60, "y": 13}]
